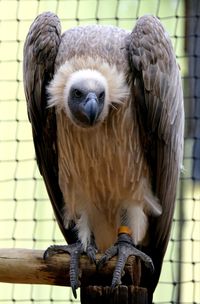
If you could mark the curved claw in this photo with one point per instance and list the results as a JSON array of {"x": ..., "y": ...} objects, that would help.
[
  {"x": 55, "y": 249},
  {"x": 91, "y": 253},
  {"x": 74, "y": 291},
  {"x": 109, "y": 253},
  {"x": 74, "y": 267},
  {"x": 123, "y": 249},
  {"x": 75, "y": 250},
  {"x": 123, "y": 255},
  {"x": 145, "y": 258}
]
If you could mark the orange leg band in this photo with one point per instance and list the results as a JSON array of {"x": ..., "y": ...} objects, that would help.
[{"x": 124, "y": 229}]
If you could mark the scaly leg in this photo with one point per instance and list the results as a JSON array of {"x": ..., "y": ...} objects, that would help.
[
  {"x": 123, "y": 248},
  {"x": 75, "y": 250}
]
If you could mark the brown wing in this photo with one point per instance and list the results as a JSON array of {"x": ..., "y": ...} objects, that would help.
[
  {"x": 40, "y": 50},
  {"x": 156, "y": 84}
]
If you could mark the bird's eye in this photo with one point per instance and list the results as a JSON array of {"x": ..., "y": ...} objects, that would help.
[
  {"x": 102, "y": 95},
  {"x": 77, "y": 93}
]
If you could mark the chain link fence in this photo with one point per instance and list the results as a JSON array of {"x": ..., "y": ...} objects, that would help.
[{"x": 26, "y": 216}]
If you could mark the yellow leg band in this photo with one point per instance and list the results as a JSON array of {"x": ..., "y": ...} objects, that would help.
[{"x": 124, "y": 229}]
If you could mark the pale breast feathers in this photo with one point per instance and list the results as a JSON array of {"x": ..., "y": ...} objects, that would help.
[{"x": 103, "y": 168}]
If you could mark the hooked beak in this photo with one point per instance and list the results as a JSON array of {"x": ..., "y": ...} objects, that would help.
[{"x": 91, "y": 108}]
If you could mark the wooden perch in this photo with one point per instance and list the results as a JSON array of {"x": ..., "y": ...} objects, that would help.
[{"x": 28, "y": 267}]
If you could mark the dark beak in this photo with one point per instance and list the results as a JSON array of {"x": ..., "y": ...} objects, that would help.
[{"x": 91, "y": 108}]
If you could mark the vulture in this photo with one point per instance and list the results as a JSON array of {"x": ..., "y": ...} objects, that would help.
[{"x": 106, "y": 109}]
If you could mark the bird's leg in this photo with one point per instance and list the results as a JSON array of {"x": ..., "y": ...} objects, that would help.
[
  {"x": 123, "y": 248},
  {"x": 75, "y": 250}
]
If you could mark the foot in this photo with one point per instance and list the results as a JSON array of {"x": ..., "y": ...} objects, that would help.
[
  {"x": 123, "y": 249},
  {"x": 75, "y": 250}
]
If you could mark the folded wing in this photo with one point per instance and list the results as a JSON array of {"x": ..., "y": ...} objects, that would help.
[
  {"x": 40, "y": 50},
  {"x": 156, "y": 85}
]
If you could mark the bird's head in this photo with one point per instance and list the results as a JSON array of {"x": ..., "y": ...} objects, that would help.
[
  {"x": 86, "y": 94},
  {"x": 85, "y": 98}
]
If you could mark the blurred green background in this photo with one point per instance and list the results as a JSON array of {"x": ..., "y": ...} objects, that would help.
[{"x": 26, "y": 217}]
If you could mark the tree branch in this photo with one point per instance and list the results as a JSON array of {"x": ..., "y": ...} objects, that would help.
[{"x": 28, "y": 267}]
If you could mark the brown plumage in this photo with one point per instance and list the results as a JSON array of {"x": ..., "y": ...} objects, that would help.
[{"x": 125, "y": 167}]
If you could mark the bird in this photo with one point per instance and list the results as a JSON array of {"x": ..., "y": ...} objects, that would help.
[{"x": 106, "y": 109}]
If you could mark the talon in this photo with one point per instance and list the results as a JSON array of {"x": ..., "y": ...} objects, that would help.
[
  {"x": 74, "y": 291},
  {"x": 123, "y": 249},
  {"x": 75, "y": 250},
  {"x": 149, "y": 264},
  {"x": 55, "y": 249},
  {"x": 91, "y": 251},
  {"x": 109, "y": 253},
  {"x": 101, "y": 262}
]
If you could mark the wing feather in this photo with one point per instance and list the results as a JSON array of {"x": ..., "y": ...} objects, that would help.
[
  {"x": 158, "y": 94},
  {"x": 40, "y": 50}
]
